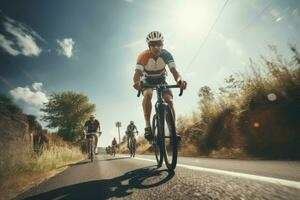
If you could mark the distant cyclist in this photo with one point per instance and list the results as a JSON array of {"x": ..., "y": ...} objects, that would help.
[
  {"x": 114, "y": 146},
  {"x": 92, "y": 127},
  {"x": 108, "y": 149},
  {"x": 151, "y": 66},
  {"x": 130, "y": 131}
]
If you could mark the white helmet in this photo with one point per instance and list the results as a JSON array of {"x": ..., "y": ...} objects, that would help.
[
  {"x": 92, "y": 116},
  {"x": 154, "y": 36}
]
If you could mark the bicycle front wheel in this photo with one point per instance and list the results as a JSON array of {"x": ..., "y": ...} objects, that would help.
[
  {"x": 156, "y": 144},
  {"x": 91, "y": 149},
  {"x": 131, "y": 147},
  {"x": 169, "y": 138}
]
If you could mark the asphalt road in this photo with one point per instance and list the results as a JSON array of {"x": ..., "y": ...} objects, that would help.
[{"x": 194, "y": 178}]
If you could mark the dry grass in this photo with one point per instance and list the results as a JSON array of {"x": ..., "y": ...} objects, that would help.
[
  {"x": 20, "y": 166},
  {"x": 254, "y": 113},
  {"x": 188, "y": 150}
]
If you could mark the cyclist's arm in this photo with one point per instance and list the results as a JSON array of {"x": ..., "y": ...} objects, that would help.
[
  {"x": 175, "y": 74},
  {"x": 137, "y": 75},
  {"x": 136, "y": 129},
  {"x": 99, "y": 127}
]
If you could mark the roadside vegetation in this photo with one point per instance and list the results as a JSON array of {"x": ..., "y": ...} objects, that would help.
[
  {"x": 29, "y": 154},
  {"x": 255, "y": 114}
]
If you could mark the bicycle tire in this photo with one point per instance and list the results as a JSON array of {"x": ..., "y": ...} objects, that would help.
[
  {"x": 170, "y": 144},
  {"x": 156, "y": 144},
  {"x": 130, "y": 146},
  {"x": 92, "y": 150}
]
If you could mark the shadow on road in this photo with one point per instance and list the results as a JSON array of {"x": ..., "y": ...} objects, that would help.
[
  {"x": 88, "y": 161},
  {"x": 142, "y": 178}
]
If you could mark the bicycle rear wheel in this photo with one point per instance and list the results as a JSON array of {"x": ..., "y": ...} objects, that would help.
[
  {"x": 156, "y": 144},
  {"x": 169, "y": 138}
]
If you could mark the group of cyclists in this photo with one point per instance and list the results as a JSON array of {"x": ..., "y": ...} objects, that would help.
[
  {"x": 150, "y": 69},
  {"x": 92, "y": 129},
  {"x": 111, "y": 149}
]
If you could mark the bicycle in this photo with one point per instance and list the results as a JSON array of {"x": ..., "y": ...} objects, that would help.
[
  {"x": 132, "y": 144},
  {"x": 165, "y": 141},
  {"x": 113, "y": 150},
  {"x": 91, "y": 144}
]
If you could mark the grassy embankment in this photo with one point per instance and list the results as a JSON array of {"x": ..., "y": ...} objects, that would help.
[{"x": 20, "y": 166}]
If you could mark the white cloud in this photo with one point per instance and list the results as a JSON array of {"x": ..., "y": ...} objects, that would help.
[
  {"x": 129, "y": 1},
  {"x": 31, "y": 101},
  {"x": 37, "y": 86},
  {"x": 31, "y": 98},
  {"x": 66, "y": 47},
  {"x": 7, "y": 45},
  {"x": 23, "y": 39}
]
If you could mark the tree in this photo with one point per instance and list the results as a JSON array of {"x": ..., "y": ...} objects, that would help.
[
  {"x": 67, "y": 111},
  {"x": 205, "y": 95}
]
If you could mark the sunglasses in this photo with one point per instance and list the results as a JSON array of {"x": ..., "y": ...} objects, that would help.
[{"x": 153, "y": 44}]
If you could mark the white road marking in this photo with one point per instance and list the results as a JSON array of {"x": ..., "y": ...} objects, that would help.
[{"x": 294, "y": 184}]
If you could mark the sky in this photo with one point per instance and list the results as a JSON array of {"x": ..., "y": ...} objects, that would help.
[{"x": 91, "y": 47}]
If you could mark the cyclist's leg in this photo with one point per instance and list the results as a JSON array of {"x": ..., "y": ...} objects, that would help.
[
  {"x": 127, "y": 136},
  {"x": 147, "y": 105},
  {"x": 88, "y": 146},
  {"x": 168, "y": 97},
  {"x": 134, "y": 144},
  {"x": 96, "y": 140}
]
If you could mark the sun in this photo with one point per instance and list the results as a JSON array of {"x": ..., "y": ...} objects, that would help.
[{"x": 194, "y": 17}]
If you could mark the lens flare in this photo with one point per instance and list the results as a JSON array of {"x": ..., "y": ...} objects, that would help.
[
  {"x": 256, "y": 125},
  {"x": 272, "y": 97}
]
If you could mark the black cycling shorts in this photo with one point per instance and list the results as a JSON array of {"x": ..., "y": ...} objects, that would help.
[{"x": 154, "y": 81}]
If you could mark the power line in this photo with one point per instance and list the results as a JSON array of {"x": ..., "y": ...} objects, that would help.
[{"x": 205, "y": 39}]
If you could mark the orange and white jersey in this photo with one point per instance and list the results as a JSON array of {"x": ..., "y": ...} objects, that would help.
[{"x": 155, "y": 67}]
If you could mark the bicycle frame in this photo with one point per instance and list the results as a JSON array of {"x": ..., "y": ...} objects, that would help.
[
  {"x": 91, "y": 144},
  {"x": 159, "y": 90},
  {"x": 132, "y": 145},
  {"x": 161, "y": 108}
]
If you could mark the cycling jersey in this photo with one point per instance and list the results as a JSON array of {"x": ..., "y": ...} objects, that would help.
[
  {"x": 131, "y": 128},
  {"x": 155, "y": 67},
  {"x": 92, "y": 126}
]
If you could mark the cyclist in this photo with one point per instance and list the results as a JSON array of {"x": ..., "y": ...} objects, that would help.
[
  {"x": 114, "y": 145},
  {"x": 92, "y": 126},
  {"x": 130, "y": 131},
  {"x": 108, "y": 149},
  {"x": 151, "y": 68}
]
